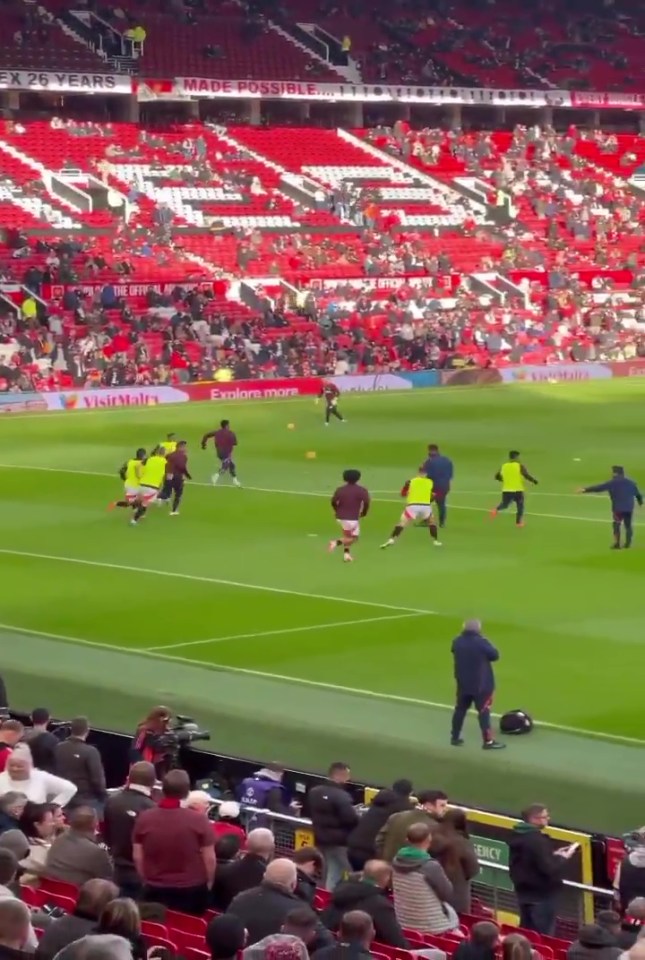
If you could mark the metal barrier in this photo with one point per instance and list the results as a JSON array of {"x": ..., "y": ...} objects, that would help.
[{"x": 493, "y": 888}]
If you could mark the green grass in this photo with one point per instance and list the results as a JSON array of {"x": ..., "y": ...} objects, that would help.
[{"x": 236, "y": 611}]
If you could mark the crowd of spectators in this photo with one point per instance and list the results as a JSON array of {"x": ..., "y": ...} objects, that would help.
[{"x": 92, "y": 874}]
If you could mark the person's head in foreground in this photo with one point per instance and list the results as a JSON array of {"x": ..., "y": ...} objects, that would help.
[
  {"x": 15, "y": 924},
  {"x": 261, "y": 843},
  {"x": 356, "y": 927},
  {"x": 225, "y": 937},
  {"x": 351, "y": 476},
  {"x": 537, "y": 815},
  {"x": 282, "y": 873},
  {"x": 516, "y": 947},
  {"x": 94, "y": 896}
]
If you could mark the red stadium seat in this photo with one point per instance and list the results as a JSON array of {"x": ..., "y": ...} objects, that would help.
[
  {"x": 149, "y": 928},
  {"x": 59, "y": 887},
  {"x": 185, "y": 923}
]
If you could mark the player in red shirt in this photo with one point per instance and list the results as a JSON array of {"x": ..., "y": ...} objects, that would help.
[
  {"x": 331, "y": 393},
  {"x": 225, "y": 443},
  {"x": 350, "y": 504}
]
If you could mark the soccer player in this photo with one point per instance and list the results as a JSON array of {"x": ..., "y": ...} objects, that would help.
[
  {"x": 350, "y": 504},
  {"x": 623, "y": 493},
  {"x": 440, "y": 470},
  {"x": 150, "y": 483},
  {"x": 225, "y": 443},
  {"x": 512, "y": 475},
  {"x": 169, "y": 445},
  {"x": 176, "y": 474},
  {"x": 130, "y": 473},
  {"x": 418, "y": 491},
  {"x": 330, "y": 392}
]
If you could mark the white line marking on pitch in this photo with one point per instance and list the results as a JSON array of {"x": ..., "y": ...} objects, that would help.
[
  {"x": 318, "y": 684},
  {"x": 276, "y": 633},
  {"x": 104, "y": 565},
  {"x": 297, "y": 493}
]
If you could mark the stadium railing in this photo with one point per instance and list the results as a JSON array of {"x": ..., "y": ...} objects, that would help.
[{"x": 578, "y": 903}]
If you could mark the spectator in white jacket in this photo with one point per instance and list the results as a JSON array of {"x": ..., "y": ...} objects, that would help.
[{"x": 21, "y": 776}]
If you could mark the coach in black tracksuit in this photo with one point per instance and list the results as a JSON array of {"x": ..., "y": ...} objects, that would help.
[
  {"x": 473, "y": 656},
  {"x": 624, "y": 495}
]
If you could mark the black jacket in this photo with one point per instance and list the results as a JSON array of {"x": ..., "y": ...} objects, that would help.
[
  {"x": 60, "y": 933},
  {"x": 535, "y": 871},
  {"x": 361, "y": 841},
  {"x": 43, "y": 746},
  {"x": 342, "y": 951},
  {"x": 332, "y": 813},
  {"x": 81, "y": 763},
  {"x": 119, "y": 818},
  {"x": 593, "y": 943},
  {"x": 359, "y": 894},
  {"x": 473, "y": 951},
  {"x": 236, "y": 877},
  {"x": 7, "y": 822},
  {"x": 264, "y": 909},
  {"x": 305, "y": 888}
]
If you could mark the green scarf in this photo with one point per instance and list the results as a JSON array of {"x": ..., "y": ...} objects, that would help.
[{"x": 413, "y": 853}]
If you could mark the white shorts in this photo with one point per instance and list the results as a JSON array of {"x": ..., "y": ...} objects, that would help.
[
  {"x": 418, "y": 511},
  {"x": 352, "y": 527},
  {"x": 148, "y": 494},
  {"x": 131, "y": 493}
]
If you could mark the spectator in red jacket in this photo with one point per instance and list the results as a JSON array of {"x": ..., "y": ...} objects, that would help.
[{"x": 11, "y": 732}]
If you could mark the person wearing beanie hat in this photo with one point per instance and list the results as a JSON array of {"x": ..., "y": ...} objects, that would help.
[
  {"x": 593, "y": 943},
  {"x": 361, "y": 843},
  {"x": 225, "y": 937}
]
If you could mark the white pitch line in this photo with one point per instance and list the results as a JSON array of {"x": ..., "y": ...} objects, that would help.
[
  {"x": 279, "y": 633},
  {"x": 296, "y": 493},
  {"x": 104, "y": 565},
  {"x": 300, "y": 681}
]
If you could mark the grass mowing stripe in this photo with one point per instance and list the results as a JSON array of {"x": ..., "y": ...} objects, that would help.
[
  {"x": 299, "y": 493},
  {"x": 318, "y": 684},
  {"x": 275, "y": 633},
  {"x": 105, "y": 565}
]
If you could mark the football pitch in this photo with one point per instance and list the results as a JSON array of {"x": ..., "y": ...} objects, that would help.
[{"x": 235, "y": 613}]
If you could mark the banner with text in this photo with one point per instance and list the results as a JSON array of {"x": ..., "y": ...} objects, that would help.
[
  {"x": 218, "y": 89},
  {"x": 608, "y": 101},
  {"x": 64, "y": 82},
  {"x": 22, "y": 403},
  {"x": 117, "y": 397},
  {"x": 55, "y": 291},
  {"x": 371, "y": 382},
  {"x": 254, "y": 389},
  {"x": 628, "y": 368}
]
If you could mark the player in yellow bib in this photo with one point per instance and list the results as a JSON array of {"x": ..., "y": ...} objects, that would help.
[
  {"x": 151, "y": 482},
  {"x": 169, "y": 445},
  {"x": 512, "y": 475},
  {"x": 130, "y": 473},
  {"x": 418, "y": 495}
]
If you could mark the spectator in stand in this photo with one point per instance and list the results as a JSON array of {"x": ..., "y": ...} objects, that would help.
[
  {"x": 119, "y": 817},
  {"x": 93, "y": 897},
  {"x": 97, "y": 947},
  {"x": 355, "y": 936},
  {"x": 632, "y": 923},
  {"x": 536, "y": 870},
  {"x": 80, "y": 763},
  {"x": 264, "y": 909},
  {"x": 15, "y": 930},
  {"x": 610, "y": 921},
  {"x": 11, "y": 806},
  {"x": 483, "y": 943},
  {"x": 75, "y": 856},
  {"x": 225, "y": 938},
  {"x": 228, "y": 821},
  {"x": 299, "y": 931},
  {"x": 9, "y": 887},
  {"x": 593, "y": 942},
  {"x": 455, "y": 851},
  {"x": 264, "y": 790},
  {"x": 422, "y": 891},
  {"x": 333, "y": 818},
  {"x": 11, "y": 731},
  {"x": 173, "y": 850},
  {"x": 309, "y": 866},
  {"x": 629, "y": 879},
  {"x": 430, "y": 810},
  {"x": 38, "y": 825},
  {"x": 517, "y": 947},
  {"x": 41, "y": 742},
  {"x": 361, "y": 843},
  {"x": 246, "y": 872},
  {"x": 121, "y": 918},
  {"x": 20, "y": 776},
  {"x": 368, "y": 892}
]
